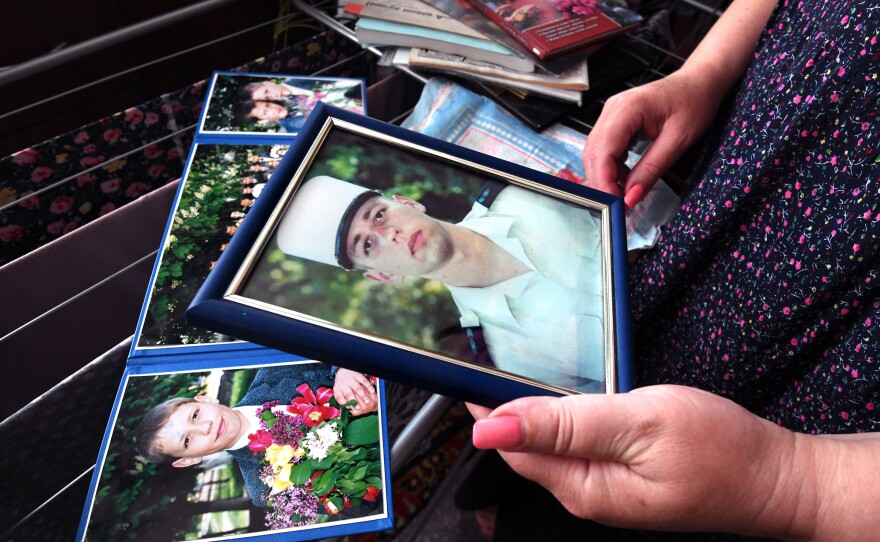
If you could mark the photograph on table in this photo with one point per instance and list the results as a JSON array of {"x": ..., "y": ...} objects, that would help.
[
  {"x": 224, "y": 452},
  {"x": 438, "y": 258},
  {"x": 273, "y": 103},
  {"x": 219, "y": 187}
]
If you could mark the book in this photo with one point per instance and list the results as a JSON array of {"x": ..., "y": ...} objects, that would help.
[
  {"x": 211, "y": 437},
  {"x": 378, "y": 32},
  {"x": 474, "y": 18},
  {"x": 550, "y": 28},
  {"x": 411, "y": 12},
  {"x": 576, "y": 78}
]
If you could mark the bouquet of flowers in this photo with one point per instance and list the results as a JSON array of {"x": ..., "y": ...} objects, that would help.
[{"x": 317, "y": 459}]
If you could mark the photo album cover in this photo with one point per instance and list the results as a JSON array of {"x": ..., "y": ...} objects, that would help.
[
  {"x": 212, "y": 437},
  {"x": 396, "y": 254}
]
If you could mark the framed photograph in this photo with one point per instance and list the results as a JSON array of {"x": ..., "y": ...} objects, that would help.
[
  {"x": 246, "y": 103},
  {"x": 221, "y": 451},
  {"x": 397, "y": 254}
]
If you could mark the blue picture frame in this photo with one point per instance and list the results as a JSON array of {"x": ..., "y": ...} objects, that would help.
[{"x": 239, "y": 297}]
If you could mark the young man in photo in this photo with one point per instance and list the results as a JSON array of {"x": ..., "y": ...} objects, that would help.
[{"x": 526, "y": 268}]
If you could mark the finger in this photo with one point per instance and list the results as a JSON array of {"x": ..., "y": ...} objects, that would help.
[
  {"x": 607, "y": 144},
  {"x": 585, "y": 426},
  {"x": 656, "y": 161}
]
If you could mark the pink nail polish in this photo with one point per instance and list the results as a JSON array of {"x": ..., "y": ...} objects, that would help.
[
  {"x": 633, "y": 196},
  {"x": 499, "y": 432}
]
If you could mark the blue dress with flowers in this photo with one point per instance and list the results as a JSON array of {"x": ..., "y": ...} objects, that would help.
[{"x": 765, "y": 288}]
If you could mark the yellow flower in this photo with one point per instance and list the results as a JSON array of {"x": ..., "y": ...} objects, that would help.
[
  {"x": 7, "y": 195},
  {"x": 114, "y": 165},
  {"x": 61, "y": 158},
  {"x": 282, "y": 479},
  {"x": 278, "y": 456},
  {"x": 313, "y": 49}
]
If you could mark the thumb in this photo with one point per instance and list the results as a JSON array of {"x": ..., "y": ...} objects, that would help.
[{"x": 602, "y": 427}]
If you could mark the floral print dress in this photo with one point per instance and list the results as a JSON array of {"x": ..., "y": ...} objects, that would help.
[{"x": 765, "y": 288}]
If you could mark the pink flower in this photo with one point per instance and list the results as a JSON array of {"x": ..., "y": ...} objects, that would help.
[
  {"x": 29, "y": 202},
  {"x": 173, "y": 154},
  {"x": 41, "y": 173},
  {"x": 69, "y": 227},
  {"x": 313, "y": 409},
  {"x": 85, "y": 178},
  {"x": 90, "y": 161},
  {"x": 135, "y": 189},
  {"x": 856, "y": 247},
  {"x": 152, "y": 151},
  {"x": 11, "y": 233},
  {"x": 81, "y": 138},
  {"x": 55, "y": 227},
  {"x": 110, "y": 186},
  {"x": 151, "y": 118},
  {"x": 111, "y": 135},
  {"x": 25, "y": 157},
  {"x": 61, "y": 204},
  {"x": 259, "y": 441},
  {"x": 133, "y": 115},
  {"x": 107, "y": 208},
  {"x": 156, "y": 170}
]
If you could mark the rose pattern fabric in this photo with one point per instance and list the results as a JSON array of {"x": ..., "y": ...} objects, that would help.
[{"x": 57, "y": 186}]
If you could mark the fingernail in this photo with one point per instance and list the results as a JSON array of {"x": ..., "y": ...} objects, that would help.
[
  {"x": 499, "y": 432},
  {"x": 633, "y": 196}
]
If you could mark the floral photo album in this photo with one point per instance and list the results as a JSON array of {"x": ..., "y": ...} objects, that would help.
[{"x": 214, "y": 438}]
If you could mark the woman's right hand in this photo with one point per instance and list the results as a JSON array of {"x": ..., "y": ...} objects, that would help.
[{"x": 672, "y": 112}]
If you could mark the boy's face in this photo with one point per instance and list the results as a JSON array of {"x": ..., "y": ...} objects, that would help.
[{"x": 198, "y": 429}]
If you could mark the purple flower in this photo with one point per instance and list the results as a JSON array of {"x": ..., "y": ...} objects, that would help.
[{"x": 293, "y": 507}]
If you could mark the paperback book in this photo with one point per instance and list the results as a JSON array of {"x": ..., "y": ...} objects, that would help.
[
  {"x": 550, "y": 28},
  {"x": 214, "y": 438}
]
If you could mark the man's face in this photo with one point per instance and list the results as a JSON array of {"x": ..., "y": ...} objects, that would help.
[
  {"x": 198, "y": 429},
  {"x": 267, "y": 90},
  {"x": 268, "y": 111},
  {"x": 393, "y": 238}
]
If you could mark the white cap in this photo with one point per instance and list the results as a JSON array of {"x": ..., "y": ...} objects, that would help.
[{"x": 315, "y": 224}]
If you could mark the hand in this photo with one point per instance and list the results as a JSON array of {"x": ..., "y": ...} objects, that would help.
[
  {"x": 350, "y": 385},
  {"x": 673, "y": 112},
  {"x": 662, "y": 457}
]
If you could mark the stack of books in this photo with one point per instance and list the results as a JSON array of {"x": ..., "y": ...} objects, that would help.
[{"x": 530, "y": 48}]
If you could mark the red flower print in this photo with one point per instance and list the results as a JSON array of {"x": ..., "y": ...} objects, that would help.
[
  {"x": 133, "y": 115},
  {"x": 29, "y": 202},
  {"x": 61, "y": 204},
  {"x": 110, "y": 186},
  {"x": 156, "y": 170},
  {"x": 55, "y": 227},
  {"x": 25, "y": 157},
  {"x": 259, "y": 441},
  {"x": 90, "y": 161},
  {"x": 81, "y": 138},
  {"x": 69, "y": 227},
  {"x": 85, "y": 178},
  {"x": 11, "y": 233},
  {"x": 112, "y": 135},
  {"x": 107, "y": 208},
  {"x": 41, "y": 173},
  {"x": 173, "y": 154},
  {"x": 91, "y": 147},
  {"x": 152, "y": 151},
  {"x": 151, "y": 118},
  {"x": 293, "y": 63},
  {"x": 314, "y": 409},
  {"x": 135, "y": 189}
]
